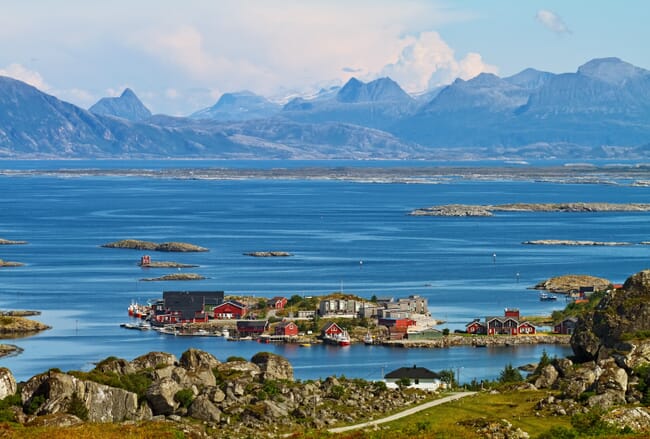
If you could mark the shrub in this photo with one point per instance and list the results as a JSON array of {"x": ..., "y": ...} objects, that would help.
[
  {"x": 337, "y": 392},
  {"x": 403, "y": 382},
  {"x": 558, "y": 433},
  {"x": 591, "y": 423},
  {"x": 77, "y": 407},
  {"x": 510, "y": 374},
  {"x": 271, "y": 387},
  {"x": 184, "y": 397},
  {"x": 234, "y": 358},
  {"x": 379, "y": 386},
  {"x": 33, "y": 405}
]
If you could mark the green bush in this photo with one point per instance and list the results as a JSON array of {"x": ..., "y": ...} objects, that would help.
[
  {"x": 271, "y": 388},
  {"x": 337, "y": 392},
  {"x": 558, "y": 433},
  {"x": 592, "y": 423},
  {"x": 77, "y": 407},
  {"x": 234, "y": 358},
  {"x": 510, "y": 374},
  {"x": 184, "y": 397},
  {"x": 33, "y": 405},
  {"x": 379, "y": 386}
]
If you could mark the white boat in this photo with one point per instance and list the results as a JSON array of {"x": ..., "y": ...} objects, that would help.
[
  {"x": 367, "y": 339},
  {"x": 225, "y": 333}
]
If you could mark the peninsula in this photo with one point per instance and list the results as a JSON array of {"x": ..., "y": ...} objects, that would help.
[
  {"x": 136, "y": 244},
  {"x": 488, "y": 210}
]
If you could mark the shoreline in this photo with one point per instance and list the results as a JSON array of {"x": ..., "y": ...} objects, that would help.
[
  {"x": 632, "y": 175},
  {"x": 480, "y": 341}
]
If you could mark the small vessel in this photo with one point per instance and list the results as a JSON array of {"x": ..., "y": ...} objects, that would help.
[
  {"x": 341, "y": 339},
  {"x": 367, "y": 339},
  {"x": 305, "y": 345},
  {"x": 225, "y": 333},
  {"x": 544, "y": 297}
]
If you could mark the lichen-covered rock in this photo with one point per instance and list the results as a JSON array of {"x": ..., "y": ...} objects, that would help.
[
  {"x": 115, "y": 365},
  {"x": 160, "y": 396},
  {"x": 242, "y": 368},
  {"x": 154, "y": 360},
  {"x": 273, "y": 367},
  {"x": 7, "y": 383},
  {"x": 635, "y": 418},
  {"x": 547, "y": 377},
  {"x": 204, "y": 409},
  {"x": 194, "y": 359},
  {"x": 104, "y": 403},
  {"x": 54, "y": 420}
]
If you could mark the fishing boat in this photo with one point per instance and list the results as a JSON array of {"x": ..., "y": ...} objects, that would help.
[
  {"x": 367, "y": 339},
  {"x": 341, "y": 338},
  {"x": 544, "y": 297}
]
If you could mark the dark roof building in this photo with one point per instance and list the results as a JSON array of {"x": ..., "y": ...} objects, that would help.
[
  {"x": 412, "y": 373},
  {"x": 191, "y": 303}
]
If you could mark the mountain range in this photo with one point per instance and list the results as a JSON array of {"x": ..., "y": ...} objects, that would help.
[{"x": 600, "y": 111}]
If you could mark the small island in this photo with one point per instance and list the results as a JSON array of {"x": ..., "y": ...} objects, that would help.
[
  {"x": 136, "y": 244},
  {"x": 568, "y": 283},
  {"x": 12, "y": 325},
  {"x": 9, "y": 242},
  {"x": 175, "y": 276},
  {"x": 4, "y": 263},
  {"x": 488, "y": 210},
  {"x": 268, "y": 254},
  {"x": 576, "y": 243}
]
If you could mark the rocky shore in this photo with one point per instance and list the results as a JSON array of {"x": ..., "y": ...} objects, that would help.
[
  {"x": 236, "y": 398},
  {"x": 135, "y": 244},
  {"x": 576, "y": 243},
  {"x": 488, "y": 210},
  {"x": 480, "y": 341},
  {"x": 268, "y": 254},
  {"x": 175, "y": 276}
]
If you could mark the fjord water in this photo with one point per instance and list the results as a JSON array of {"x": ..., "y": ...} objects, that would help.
[{"x": 329, "y": 226}]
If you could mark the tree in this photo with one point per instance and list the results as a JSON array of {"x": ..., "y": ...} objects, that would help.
[
  {"x": 447, "y": 376},
  {"x": 373, "y": 298},
  {"x": 509, "y": 374},
  {"x": 403, "y": 382},
  {"x": 445, "y": 331}
]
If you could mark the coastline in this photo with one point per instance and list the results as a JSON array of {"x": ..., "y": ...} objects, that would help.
[{"x": 480, "y": 341}]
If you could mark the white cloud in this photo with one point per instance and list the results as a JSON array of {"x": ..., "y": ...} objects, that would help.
[
  {"x": 551, "y": 21},
  {"x": 428, "y": 61},
  {"x": 22, "y": 73}
]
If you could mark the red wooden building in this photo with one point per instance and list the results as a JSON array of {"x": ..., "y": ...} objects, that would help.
[
  {"x": 277, "y": 302},
  {"x": 475, "y": 327},
  {"x": 288, "y": 329},
  {"x": 230, "y": 310},
  {"x": 331, "y": 329},
  {"x": 526, "y": 328}
]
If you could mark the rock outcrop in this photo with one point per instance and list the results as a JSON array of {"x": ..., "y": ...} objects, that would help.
[
  {"x": 7, "y": 383},
  {"x": 619, "y": 324},
  {"x": 58, "y": 391},
  {"x": 136, "y": 244},
  {"x": 273, "y": 367}
]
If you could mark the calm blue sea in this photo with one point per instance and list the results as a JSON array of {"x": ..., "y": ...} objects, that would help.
[{"x": 330, "y": 227}]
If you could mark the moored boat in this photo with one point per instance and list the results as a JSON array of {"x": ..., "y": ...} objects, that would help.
[{"x": 544, "y": 297}]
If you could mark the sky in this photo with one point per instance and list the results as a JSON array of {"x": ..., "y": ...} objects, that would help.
[{"x": 181, "y": 56}]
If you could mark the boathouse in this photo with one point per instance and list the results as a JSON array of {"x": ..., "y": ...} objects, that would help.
[
  {"x": 476, "y": 326},
  {"x": 508, "y": 324},
  {"x": 287, "y": 329},
  {"x": 419, "y": 377},
  {"x": 230, "y": 310},
  {"x": 331, "y": 329},
  {"x": 252, "y": 327}
]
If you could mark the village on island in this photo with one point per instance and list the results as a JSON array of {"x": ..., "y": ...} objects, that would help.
[{"x": 338, "y": 319}]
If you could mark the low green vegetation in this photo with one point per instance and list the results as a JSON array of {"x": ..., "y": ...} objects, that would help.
[
  {"x": 578, "y": 309},
  {"x": 137, "y": 383}
]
